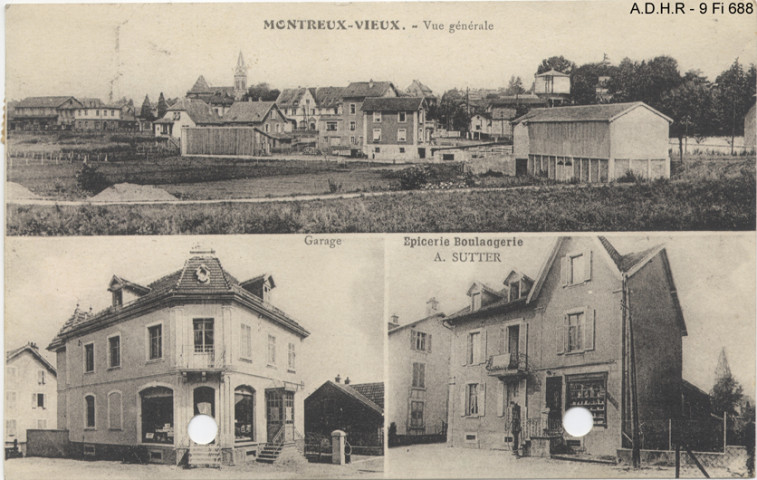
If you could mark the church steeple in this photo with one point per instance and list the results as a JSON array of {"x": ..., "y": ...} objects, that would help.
[{"x": 240, "y": 77}]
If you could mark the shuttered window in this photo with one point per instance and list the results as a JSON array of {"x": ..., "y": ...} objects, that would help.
[
  {"x": 576, "y": 268},
  {"x": 577, "y": 331},
  {"x": 419, "y": 375}
]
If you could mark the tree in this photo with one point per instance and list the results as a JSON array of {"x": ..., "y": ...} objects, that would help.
[
  {"x": 645, "y": 81},
  {"x": 690, "y": 106},
  {"x": 586, "y": 80},
  {"x": 451, "y": 111},
  {"x": 515, "y": 86},
  {"x": 162, "y": 106},
  {"x": 146, "y": 112},
  {"x": 727, "y": 392},
  {"x": 262, "y": 92},
  {"x": 734, "y": 96},
  {"x": 561, "y": 64}
]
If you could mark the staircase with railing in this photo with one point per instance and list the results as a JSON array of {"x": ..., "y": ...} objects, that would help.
[
  {"x": 272, "y": 449},
  {"x": 204, "y": 455}
]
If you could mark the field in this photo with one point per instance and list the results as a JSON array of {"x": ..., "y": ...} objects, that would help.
[{"x": 706, "y": 204}]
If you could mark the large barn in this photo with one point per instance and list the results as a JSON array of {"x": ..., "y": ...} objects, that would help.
[{"x": 596, "y": 143}]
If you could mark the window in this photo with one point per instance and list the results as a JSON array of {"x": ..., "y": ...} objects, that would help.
[
  {"x": 271, "y": 350},
  {"x": 245, "y": 342},
  {"x": 376, "y": 117},
  {"x": 10, "y": 428},
  {"x": 402, "y": 117},
  {"x": 420, "y": 116},
  {"x": 267, "y": 128},
  {"x": 292, "y": 357},
  {"x": 353, "y": 126},
  {"x": 353, "y": 109},
  {"x": 115, "y": 413},
  {"x": 473, "y": 353},
  {"x": 97, "y": 113},
  {"x": 419, "y": 375},
  {"x": 402, "y": 149},
  {"x": 244, "y": 414},
  {"x": 118, "y": 298},
  {"x": 402, "y": 134},
  {"x": 420, "y": 341},
  {"x": 157, "y": 415},
  {"x": 89, "y": 414},
  {"x": 176, "y": 116},
  {"x": 514, "y": 291},
  {"x": 89, "y": 358},
  {"x": 416, "y": 414},
  {"x": 376, "y": 134},
  {"x": 40, "y": 377},
  {"x": 42, "y": 424},
  {"x": 471, "y": 399},
  {"x": 475, "y": 299},
  {"x": 203, "y": 335},
  {"x": 578, "y": 331},
  {"x": 114, "y": 351},
  {"x": 331, "y": 126},
  {"x": 155, "y": 340},
  {"x": 576, "y": 268},
  {"x": 38, "y": 400},
  {"x": 377, "y": 149},
  {"x": 590, "y": 392},
  {"x": 10, "y": 401},
  {"x": 278, "y": 128},
  {"x": 352, "y": 140}
]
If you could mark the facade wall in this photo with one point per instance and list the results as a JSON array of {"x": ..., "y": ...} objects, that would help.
[
  {"x": 520, "y": 141},
  {"x": 179, "y": 122},
  {"x": 639, "y": 133},
  {"x": 552, "y": 85},
  {"x": 390, "y": 146},
  {"x": 242, "y": 141},
  {"x": 657, "y": 341},
  {"x": 22, "y": 385},
  {"x": 436, "y": 375},
  {"x": 574, "y": 139}
]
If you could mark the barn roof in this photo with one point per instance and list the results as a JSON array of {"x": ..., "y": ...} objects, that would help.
[
  {"x": 290, "y": 96},
  {"x": 248, "y": 112},
  {"x": 198, "y": 111},
  {"x": 607, "y": 112},
  {"x": 367, "y": 89},
  {"x": 375, "y": 390},
  {"x": 43, "y": 102},
  {"x": 372, "y": 391},
  {"x": 184, "y": 282},
  {"x": 392, "y": 104},
  {"x": 328, "y": 96},
  {"x": 436, "y": 316}
]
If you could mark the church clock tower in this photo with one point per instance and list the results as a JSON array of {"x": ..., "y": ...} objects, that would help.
[{"x": 240, "y": 78}]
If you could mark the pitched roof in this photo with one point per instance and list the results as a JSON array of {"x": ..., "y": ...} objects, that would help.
[
  {"x": 607, "y": 112},
  {"x": 626, "y": 262},
  {"x": 397, "y": 328},
  {"x": 392, "y": 104},
  {"x": 290, "y": 96},
  {"x": 248, "y": 112},
  {"x": 200, "y": 86},
  {"x": 182, "y": 283},
  {"x": 553, "y": 73},
  {"x": 42, "y": 102},
  {"x": 326, "y": 97},
  {"x": 418, "y": 89},
  {"x": 513, "y": 100},
  {"x": 198, "y": 110},
  {"x": 352, "y": 392},
  {"x": 372, "y": 391},
  {"x": 367, "y": 89},
  {"x": 34, "y": 350},
  {"x": 91, "y": 102}
]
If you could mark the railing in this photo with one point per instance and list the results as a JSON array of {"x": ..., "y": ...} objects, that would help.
[
  {"x": 507, "y": 364},
  {"x": 195, "y": 357},
  {"x": 278, "y": 439}
]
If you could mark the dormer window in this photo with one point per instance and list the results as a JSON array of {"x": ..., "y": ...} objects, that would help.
[
  {"x": 118, "y": 298},
  {"x": 475, "y": 300},
  {"x": 202, "y": 274},
  {"x": 514, "y": 291},
  {"x": 266, "y": 292}
]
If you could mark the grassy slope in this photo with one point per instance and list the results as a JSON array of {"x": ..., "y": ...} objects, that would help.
[{"x": 705, "y": 204}]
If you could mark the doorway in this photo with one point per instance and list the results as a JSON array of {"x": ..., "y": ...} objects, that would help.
[{"x": 554, "y": 402}]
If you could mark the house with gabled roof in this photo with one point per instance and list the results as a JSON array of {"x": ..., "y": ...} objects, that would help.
[
  {"x": 299, "y": 105},
  {"x": 570, "y": 338},
  {"x": 195, "y": 341},
  {"x": 182, "y": 114},
  {"x": 594, "y": 143},
  {"x": 266, "y": 116},
  {"x": 396, "y": 128},
  {"x": 44, "y": 113},
  {"x": 553, "y": 86},
  {"x": 30, "y": 394},
  {"x": 356, "y": 409},
  {"x": 418, "y": 373},
  {"x": 418, "y": 89}
]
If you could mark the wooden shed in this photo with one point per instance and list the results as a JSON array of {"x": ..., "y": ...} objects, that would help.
[{"x": 597, "y": 143}]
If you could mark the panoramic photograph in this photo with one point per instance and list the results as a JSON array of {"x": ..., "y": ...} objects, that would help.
[
  {"x": 652, "y": 335},
  {"x": 397, "y": 117},
  {"x": 119, "y": 349}
]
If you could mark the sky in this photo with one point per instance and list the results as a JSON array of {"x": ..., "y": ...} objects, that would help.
[
  {"x": 714, "y": 275},
  {"x": 336, "y": 294},
  {"x": 71, "y": 49}
]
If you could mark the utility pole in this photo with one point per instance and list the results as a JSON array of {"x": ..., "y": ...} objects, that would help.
[{"x": 635, "y": 440}]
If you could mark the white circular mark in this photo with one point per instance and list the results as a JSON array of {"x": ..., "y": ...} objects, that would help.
[
  {"x": 577, "y": 421},
  {"x": 202, "y": 429}
]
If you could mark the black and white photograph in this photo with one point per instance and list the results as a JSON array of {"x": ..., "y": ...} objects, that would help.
[
  {"x": 493, "y": 343},
  {"x": 123, "y": 342},
  {"x": 368, "y": 117}
]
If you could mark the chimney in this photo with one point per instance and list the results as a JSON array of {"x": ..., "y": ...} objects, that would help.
[
  {"x": 432, "y": 306},
  {"x": 338, "y": 378},
  {"x": 370, "y": 83},
  {"x": 395, "y": 319},
  {"x": 347, "y": 381}
]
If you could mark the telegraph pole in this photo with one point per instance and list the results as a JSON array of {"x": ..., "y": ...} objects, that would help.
[{"x": 636, "y": 441}]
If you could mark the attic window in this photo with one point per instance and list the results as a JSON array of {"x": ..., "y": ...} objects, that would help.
[
  {"x": 118, "y": 298},
  {"x": 515, "y": 290},
  {"x": 266, "y": 292},
  {"x": 203, "y": 274},
  {"x": 475, "y": 299}
]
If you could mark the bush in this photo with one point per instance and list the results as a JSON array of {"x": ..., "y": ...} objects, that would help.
[
  {"x": 413, "y": 178},
  {"x": 334, "y": 187},
  {"x": 90, "y": 180},
  {"x": 630, "y": 177}
]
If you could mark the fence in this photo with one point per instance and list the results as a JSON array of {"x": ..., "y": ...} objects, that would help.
[
  {"x": 16, "y": 158},
  {"x": 700, "y": 435},
  {"x": 48, "y": 443}
]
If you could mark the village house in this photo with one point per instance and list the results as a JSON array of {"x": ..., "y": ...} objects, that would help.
[
  {"x": 395, "y": 128},
  {"x": 184, "y": 113},
  {"x": 356, "y": 409},
  {"x": 480, "y": 126},
  {"x": 96, "y": 115},
  {"x": 346, "y": 134},
  {"x": 569, "y": 338},
  {"x": 418, "y": 373},
  {"x": 44, "y": 113},
  {"x": 553, "y": 86},
  {"x": 196, "y": 341},
  {"x": 299, "y": 105},
  {"x": 418, "y": 89},
  {"x": 504, "y": 109},
  {"x": 264, "y": 115},
  {"x": 30, "y": 394},
  {"x": 596, "y": 143}
]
